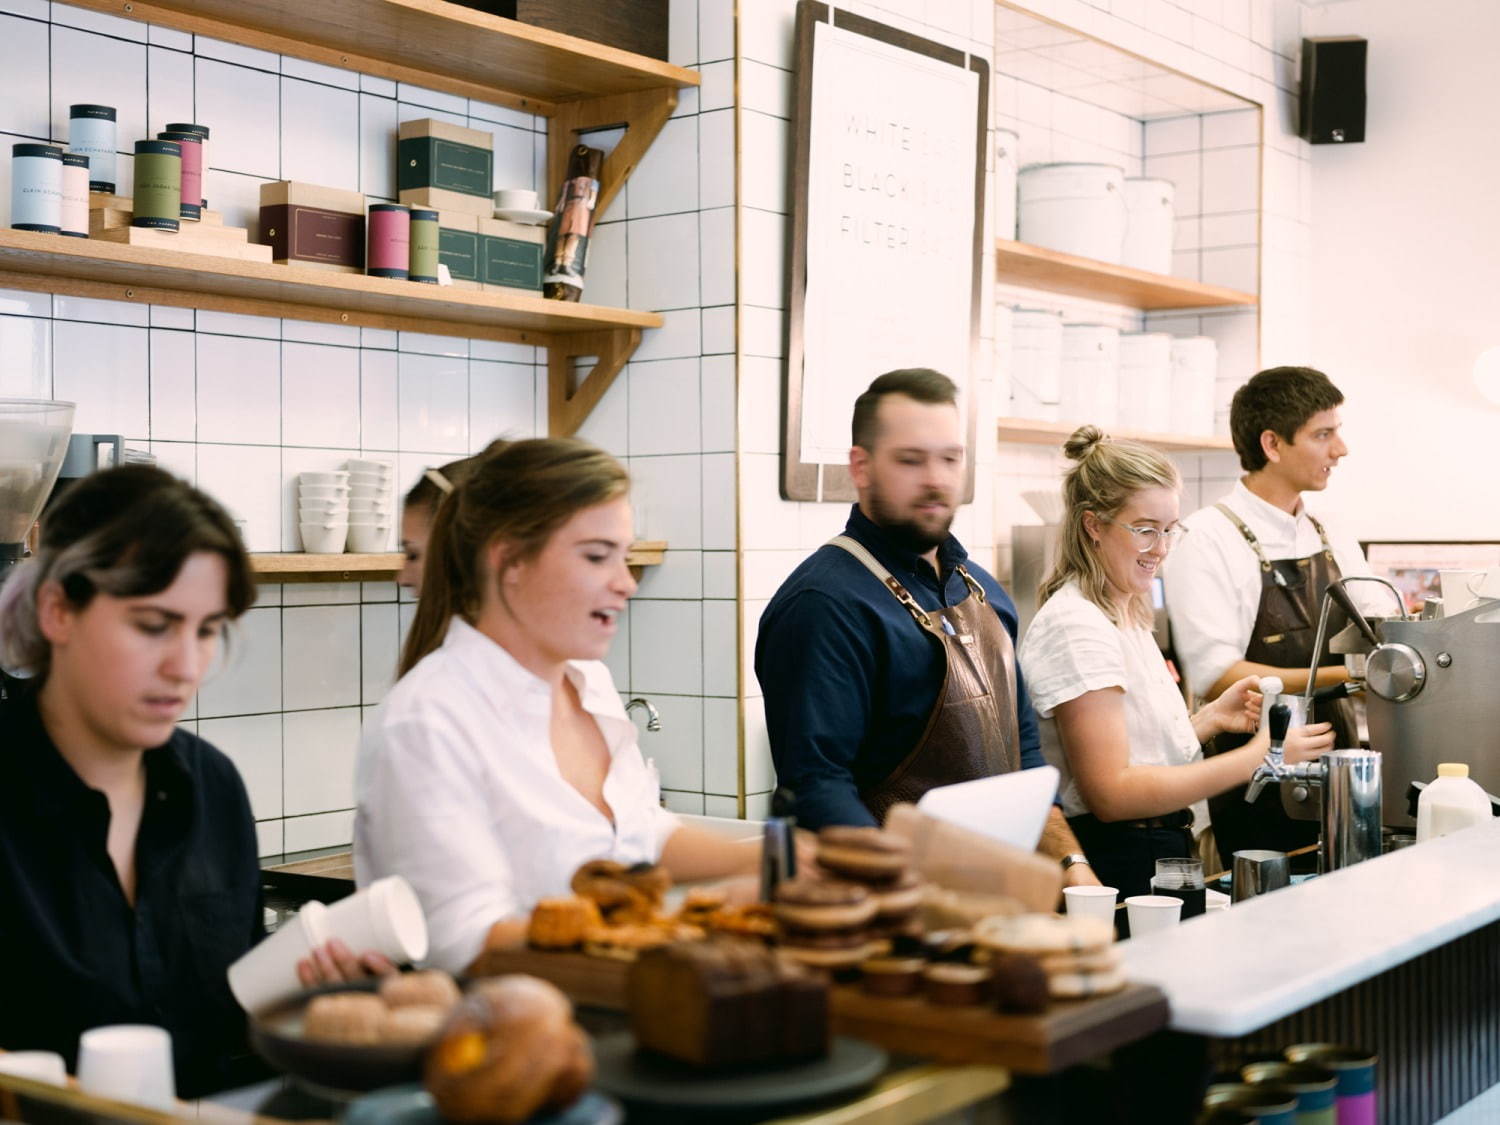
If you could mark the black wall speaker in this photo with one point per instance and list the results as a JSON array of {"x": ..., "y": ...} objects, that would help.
[{"x": 1333, "y": 90}]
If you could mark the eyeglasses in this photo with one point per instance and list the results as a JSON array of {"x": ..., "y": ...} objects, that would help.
[{"x": 1146, "y": 538}]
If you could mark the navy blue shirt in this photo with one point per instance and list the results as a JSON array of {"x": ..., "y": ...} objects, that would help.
[
  {"x": 79, "y": 954},
  {"x": 850, "y": 679}
]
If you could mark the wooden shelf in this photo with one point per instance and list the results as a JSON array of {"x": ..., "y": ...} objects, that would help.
[
  {"x": 1029, "y": 431},
  {"x": 1034, "y": 267},
  {"x": 85, "y": 267},
  {"x": 383, "y": 567},
  {"x": 581, "y": 85},
  {"x": 429, "y": 43}
]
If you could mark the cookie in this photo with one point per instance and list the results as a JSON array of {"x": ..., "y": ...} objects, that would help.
[
  {"x": 955, "y": 985},
  {"x": 1072, "y": 986},
  {"x": 866, "y": 854},
  {"x": 899, "y": 900},
  {"x": 1105, "y": 960},
  {"x": 809, "y": 905},
  {"x": 1019, "y": 984},
  {"x": 892, "y": 976},
  {"x": 1044, "y": 934}
]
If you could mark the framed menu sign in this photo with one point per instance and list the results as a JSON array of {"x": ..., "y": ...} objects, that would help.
[{"x": 887, "y": 198}]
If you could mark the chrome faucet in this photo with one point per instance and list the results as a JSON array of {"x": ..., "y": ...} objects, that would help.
[
  {"x": 653, "y": 717},
  {"x": 1274, "y": 768}
]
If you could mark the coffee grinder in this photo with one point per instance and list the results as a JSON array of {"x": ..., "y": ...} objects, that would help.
[{"x": 33, "y": 443}]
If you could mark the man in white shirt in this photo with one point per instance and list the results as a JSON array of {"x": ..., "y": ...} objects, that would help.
[{"x": 1245, "y": 587}]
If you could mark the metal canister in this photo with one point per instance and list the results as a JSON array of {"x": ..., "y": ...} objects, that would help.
[
  {"x": 1355, "y": 1068},
  {"x": 1314, "y": 1086},
  {"x": 36, "y": 187},
  {"x": 1268, "y": 1104},
  {"x": 158, "y": 185},
  {"x": 424, "y": 246}
]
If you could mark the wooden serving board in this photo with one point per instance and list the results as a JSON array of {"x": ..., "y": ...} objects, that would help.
[{"x": 1069, "y": 1032}]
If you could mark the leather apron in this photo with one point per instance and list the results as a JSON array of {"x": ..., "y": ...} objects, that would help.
[
  {"x": 1286, "y": 625},
  {"x": 972, "y": 731}
]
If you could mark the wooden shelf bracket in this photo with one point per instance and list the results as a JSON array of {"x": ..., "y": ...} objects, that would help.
[
  {"x": 571, "y": 399},
  {"x": 643, "y": 114}
]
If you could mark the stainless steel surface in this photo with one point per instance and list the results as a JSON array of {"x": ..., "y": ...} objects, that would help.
[
  {"x": 1258, "y": 872},
  {"x": 1328, "y": 600},
  {"x": 1396, "y": 672},
  {"x": 1033, "y": 550},
  {"x": 1351, "y": 808},
  {"x": 653, "y": 718},
  {"x": 1457, "y": 714},
  {"x": 778, "y": 857}
]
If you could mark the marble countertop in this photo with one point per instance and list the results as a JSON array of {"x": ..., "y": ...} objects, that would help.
[{"x": 1234, "y": 971}]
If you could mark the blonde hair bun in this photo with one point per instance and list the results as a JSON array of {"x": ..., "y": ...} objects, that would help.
[{"x": 1083, "y": 441}]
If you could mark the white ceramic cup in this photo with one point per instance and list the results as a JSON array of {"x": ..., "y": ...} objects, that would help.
[
  {"x": 323, "y": 492},
  {"x": 325, "y": 537},
  {"x": 1149, "y": 913},
  {"x": 368, "y": 539},
  {"x": 359, "y": 465},
  {"x": 335, "y": 478},
  {"x": 39, "y": 1066},
  {"x": 370, "y": 504},
  {"x": 385, "y": 917},
  {"x": 1091, "y": 902},
  {"x": 267, "y": 974},
  {"x": 515, "y": 199},
  {"x": 128, "y": 1063},
  {"x": 376, "y": 480}
]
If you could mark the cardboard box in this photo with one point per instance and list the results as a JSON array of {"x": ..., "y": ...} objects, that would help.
[
  {"x": 511, "y": 255},
  {"x": 445, "y": 166},
  {"x": 311, "y": 225},
  {"x": 458, "y": 247},
  {"x": 962, "y": 860}
]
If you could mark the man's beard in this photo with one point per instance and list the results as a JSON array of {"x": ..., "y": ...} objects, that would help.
[{"x": 906, "y": 532}]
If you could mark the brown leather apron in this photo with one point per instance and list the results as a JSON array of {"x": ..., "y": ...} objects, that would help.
[
  {"x": 972, "y": 731},
  {"x": 1286, "y": 625}
]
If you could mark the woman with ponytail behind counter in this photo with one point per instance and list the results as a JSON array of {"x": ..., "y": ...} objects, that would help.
[
  {"x": 1135, "y": 782},
  {"x": 503, "y": 759}
]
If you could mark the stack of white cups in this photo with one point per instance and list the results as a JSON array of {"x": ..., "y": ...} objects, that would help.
[
  {"x": 371, "y": 507},
  {"x": 323, "y": 511}
]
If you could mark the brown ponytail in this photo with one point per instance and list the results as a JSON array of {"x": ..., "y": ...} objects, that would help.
[{"x": 519, "y": 495}]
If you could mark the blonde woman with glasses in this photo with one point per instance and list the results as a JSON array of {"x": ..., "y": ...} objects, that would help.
[{"x": 1135, "y": 781}]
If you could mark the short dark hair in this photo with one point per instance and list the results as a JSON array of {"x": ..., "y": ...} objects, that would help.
[
  {"x": 1280, "y": 399},
  {"x": 920, "y": 383}
]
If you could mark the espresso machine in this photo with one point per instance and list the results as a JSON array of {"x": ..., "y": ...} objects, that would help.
[
  {"x": 34, "y": 437},
  {"x": 1429, "y": 688}
]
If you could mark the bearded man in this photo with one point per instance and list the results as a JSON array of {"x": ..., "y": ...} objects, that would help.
[{"x": 887, "y": 659}]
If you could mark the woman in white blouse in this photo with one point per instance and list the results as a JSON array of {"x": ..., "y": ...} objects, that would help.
[
  {"x": 1112, "y": 719},
  {"x": 503, "y": 760}
]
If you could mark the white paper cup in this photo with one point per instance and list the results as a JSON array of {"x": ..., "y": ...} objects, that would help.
[
  {"x": 515, "y": 199},
  {"x": 1149, "y": 913},
  {"x": 1091, "y": 902},
  {"x": 386, "y": 917},
  {"x": 39, "y": 1066},
  {"x": 268, "y": 973},
  {"x": 128, "y": 1063}
]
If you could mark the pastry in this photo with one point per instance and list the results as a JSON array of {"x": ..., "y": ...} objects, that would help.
[
  {"x": 815, "y": 907},
  {"x": 622, "y": 894},
  {"x": 1018, "y": 983},
  {"x": 726, "y": 1003},
  {"x": 955, "y": 985},
  {"x": 899, "y": 900},
  {"x": 755, "y": 920},
  {"x": 562, "y": 923},
  {"x": 701, "y": 904},
  {"x": 945, "y": 909},
  {"x": 1105, "y": 960},
  {"x": 426, "y": 988},
  {"x": 354, "y": 1018},
  {"x": 1071, "y": 986},
  {"x": 1044, "y": 934},
  {"x": 949, "y": 945},
  {"x": 824, "y": 924},
  {"x": 865, "y": 854},
  {"x": 892, "y": 976},
  {"x": 625, "y": 943},
  {"x": 413, "y": 1024},
  {"x": 509, "y": 1051}
]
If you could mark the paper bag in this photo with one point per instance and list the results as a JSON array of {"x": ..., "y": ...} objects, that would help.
[{"x": 963, "y": 860}]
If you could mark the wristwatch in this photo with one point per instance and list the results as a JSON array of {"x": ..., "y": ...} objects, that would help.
[{"x": 1076, "y": 858}]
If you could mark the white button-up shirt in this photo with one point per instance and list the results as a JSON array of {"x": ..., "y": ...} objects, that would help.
[
  {"x": 1213, "y": 579},
  {"x": 459, "y": 791}
]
